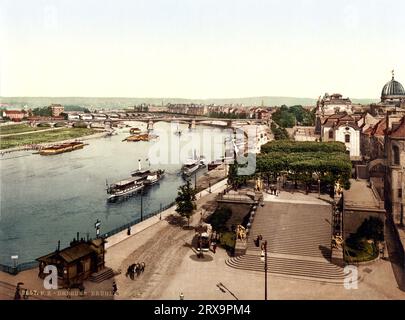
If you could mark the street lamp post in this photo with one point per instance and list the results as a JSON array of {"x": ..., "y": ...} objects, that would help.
[
  {"x": 97, "y": 226},
  {"x": 141, "y": 206},
  {"x": 319, "y": 188},
  {"x": 263, "y": 257},
  {"x": 160, "y": 217}
]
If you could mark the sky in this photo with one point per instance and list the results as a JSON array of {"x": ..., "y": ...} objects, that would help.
[{"x": 200, "y": 48}]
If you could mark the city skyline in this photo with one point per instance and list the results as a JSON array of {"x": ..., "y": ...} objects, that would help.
[{"x": 196, "y": 50}]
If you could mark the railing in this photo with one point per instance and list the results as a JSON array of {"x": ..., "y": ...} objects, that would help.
[
  {"x": 18, "y": 268},
  {"x": 33, "y": 264},
  {"x": 136, "y": 221}
]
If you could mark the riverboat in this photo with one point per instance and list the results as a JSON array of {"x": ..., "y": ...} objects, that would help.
[
  {"x": 61, "y": 148},
  {"x": 141, "y": 137},
  {"x": 154, "y": 177},
  {"x": 134, "y": 131},
  {"x": 148, "y": 177},
  {"x": 124, "y": 188},
  {"x": 192, "y": 165}
]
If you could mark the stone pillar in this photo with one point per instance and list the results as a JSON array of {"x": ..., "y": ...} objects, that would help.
[
  {"x": 150, "y": 125},
  {"x": 191, "y": 125}
]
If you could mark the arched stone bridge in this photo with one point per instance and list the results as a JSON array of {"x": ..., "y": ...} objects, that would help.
[{"x": 191, "y": 121}]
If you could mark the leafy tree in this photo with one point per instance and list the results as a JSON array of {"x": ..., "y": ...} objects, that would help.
[
  {"x": 72, "y": 107},
  {"x": 185, "y": 201},
  {"x": 303, "y": 146},
  {"x": 279, "y": 132},
  {"x": 234, "y": 179},
  {"x": 287, "y": 117},
  {"x": 306, "y": 162},
  {"x": 43, "y": 112}
]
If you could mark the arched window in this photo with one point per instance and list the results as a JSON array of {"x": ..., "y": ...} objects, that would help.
[
  {"x": 330, "y": 134},
  {"x": 347, "y": 138},
  {"x": 395, "y": 155}
]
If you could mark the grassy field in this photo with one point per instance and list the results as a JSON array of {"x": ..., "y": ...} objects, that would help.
[
  {"x": 18, "y": 128},
  {"x": 41, "y": 137}
]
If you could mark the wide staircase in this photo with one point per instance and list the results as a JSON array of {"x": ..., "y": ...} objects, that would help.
[{"x": 298, "y": 237}]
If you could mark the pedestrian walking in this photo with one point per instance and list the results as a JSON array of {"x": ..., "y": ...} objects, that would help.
[
  {"x": 81, "y": 290},
  {"x": 129, "y": 231},
  {"x": 257, "y": 241},
  {"x": 17, "y": 295},
  {"x": 214, "y": 247},
  {"x": 115, "y": 289}
]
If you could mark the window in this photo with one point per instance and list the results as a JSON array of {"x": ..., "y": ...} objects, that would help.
[
  {"x": 395, "y": 155},
  {"x": 347, "y": 138},
  {"x": 400, "y": 193},
  {"x": 331, "y": 134}
]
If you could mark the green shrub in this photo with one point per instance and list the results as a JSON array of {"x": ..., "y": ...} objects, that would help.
[
  {"x": 228, "y": 240},
  {"x": 359, "y": 250}
]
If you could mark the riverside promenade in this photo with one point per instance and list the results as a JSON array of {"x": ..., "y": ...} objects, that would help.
[
  {"x": 121, "y": 249},
  {"x": 173, "y": 268},
  {"x": 139, "y": 227}
]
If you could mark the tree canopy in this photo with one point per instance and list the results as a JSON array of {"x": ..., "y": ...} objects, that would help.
[
  {"x": 303, "y": 146},
  {"x": 185, "y": 201},
  {"x": 306, "y": 162},
  {"x": 279, "y": 133},
  {"x": 288, "y": 117}
]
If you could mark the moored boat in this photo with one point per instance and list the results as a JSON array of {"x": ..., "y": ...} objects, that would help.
[
  {"x": 134, "y": 130},
  {"x": 61, "y": 148},
  {"x": 192, "y": 165},
  {"x": 141, "y": 137},
  {"x": 148, "y": 177},
  {"x": 154, "y": 177},
  {"x": 124, "y": 188},
  {"x": 216, "y": 163}
]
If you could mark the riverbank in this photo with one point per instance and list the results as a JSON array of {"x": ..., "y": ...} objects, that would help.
[
  {"x": 159, "y": 229},
  {"x": 139, "y": 227},
  {"x": 60, "y": 137}
]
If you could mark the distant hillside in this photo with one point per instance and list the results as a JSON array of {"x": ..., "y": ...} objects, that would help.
[{"x": 92, "y": 102}]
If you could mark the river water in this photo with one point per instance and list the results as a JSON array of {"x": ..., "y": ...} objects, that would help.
[{"x": 46, "y": 199}]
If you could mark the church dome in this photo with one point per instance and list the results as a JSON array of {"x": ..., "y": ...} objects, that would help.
[{"x": 392, "y": 89}]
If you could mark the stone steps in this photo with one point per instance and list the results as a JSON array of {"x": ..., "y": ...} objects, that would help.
[
  {"x": 298, "y": 237},
  {"x": 102, "y": 275},
  {"x": 286, "y": 266}
]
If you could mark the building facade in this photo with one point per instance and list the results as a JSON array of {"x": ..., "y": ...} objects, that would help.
[
  {"x": 57, "y": 110},
  {"x": 395, "y": 175},
  {"x": 342, "y": 127},
  {"x": 14, "y": 115}
]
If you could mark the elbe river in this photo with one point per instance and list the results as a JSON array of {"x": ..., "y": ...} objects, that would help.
[{"x": 49, "y": 198}]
